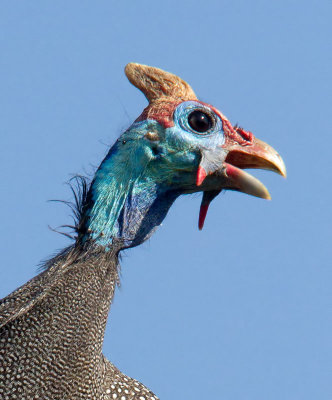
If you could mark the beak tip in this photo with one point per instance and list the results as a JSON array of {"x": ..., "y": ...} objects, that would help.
[
  {"x": 282, "y": 171},
  {"x": 266, "y": 195},
  {"x": 281, "y": 167}
]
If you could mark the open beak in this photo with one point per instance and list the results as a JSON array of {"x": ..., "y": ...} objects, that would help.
[{"x": 256, "y": 154}]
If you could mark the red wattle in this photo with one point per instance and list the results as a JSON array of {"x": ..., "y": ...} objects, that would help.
[
  {"x": 202, "y": 214},
  {"x": 201, "y": 175}
]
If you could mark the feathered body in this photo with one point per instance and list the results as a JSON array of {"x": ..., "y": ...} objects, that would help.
[{"x": 52, "y": 328}]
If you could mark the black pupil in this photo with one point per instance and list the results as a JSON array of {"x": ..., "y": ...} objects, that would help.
[{"x": 199, "y": 121}]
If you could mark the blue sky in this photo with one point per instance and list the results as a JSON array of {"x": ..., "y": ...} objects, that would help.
[{"x": 241, "y": 310}]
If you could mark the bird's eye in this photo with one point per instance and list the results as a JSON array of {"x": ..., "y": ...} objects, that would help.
[{"x": 200, "y": 121}]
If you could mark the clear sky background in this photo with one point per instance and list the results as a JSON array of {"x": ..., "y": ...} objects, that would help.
[{"x": 241, "y": 310}]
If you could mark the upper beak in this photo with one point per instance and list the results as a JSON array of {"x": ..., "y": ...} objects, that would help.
[
  {"x": 258, "y": 154},
  {"x": 230, "y": 174}
]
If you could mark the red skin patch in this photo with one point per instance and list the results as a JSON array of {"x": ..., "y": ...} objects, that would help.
[
  {"x": 162, "y": 111},
  {"x": 201, "y": 175},
  {"x": 233, "y": 133}
]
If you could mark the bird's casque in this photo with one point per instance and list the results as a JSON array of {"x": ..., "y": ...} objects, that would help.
[{"x": 52, "y": 328}]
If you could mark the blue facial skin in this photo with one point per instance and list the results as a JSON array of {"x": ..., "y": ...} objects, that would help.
[{"x": 139, "y": 179}]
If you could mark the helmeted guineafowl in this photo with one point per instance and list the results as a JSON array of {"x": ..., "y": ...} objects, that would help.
[{"x": 52, "y": 328}]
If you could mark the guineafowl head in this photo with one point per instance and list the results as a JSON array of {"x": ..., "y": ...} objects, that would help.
[{"x": 178, "y": 145}]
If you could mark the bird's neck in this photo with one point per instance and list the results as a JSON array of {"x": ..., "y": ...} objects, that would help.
[
  {"x": 60, "y": 318},
  {"x": 126, "y": 203}
]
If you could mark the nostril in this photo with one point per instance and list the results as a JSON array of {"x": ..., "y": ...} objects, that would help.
[{"x": 245, "y": 134}]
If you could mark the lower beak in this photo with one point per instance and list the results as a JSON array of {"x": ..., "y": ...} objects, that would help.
[{"x": 230, "y": 174}]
